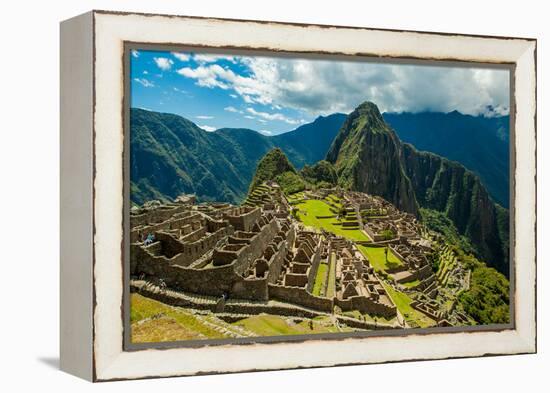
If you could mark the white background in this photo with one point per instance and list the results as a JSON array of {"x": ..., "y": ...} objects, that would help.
[{"x": 29, "y": 196}]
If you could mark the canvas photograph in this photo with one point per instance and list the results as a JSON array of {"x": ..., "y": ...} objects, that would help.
[{"x": 287, "y": 195}]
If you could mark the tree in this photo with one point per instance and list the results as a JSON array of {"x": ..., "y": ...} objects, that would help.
[{"x": 388, "y": 234}]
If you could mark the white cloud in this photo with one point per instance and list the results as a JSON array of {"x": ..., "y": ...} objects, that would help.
[
  {"x": 204, "y": 117},
  {"x": 144, "y": 82},
  {"x": 208, "y": 128},
  {"x": 206, "y": 76},
  {"x": 145, "y": 72},
  {"x": 322, "y": 87},
  {"x": 271, "y": 116},
  {"x": 266, "y": 132},
  {"x": 231, "y": 109},
  {"x": 163, "y": 63},
  {"x": 181, "y": 56},
  {"x": 233, "y": 96},
  {"x": 135, "y": 53},
  {"x": 207, "y": 58},
  {"x": 249, "y": 117}
]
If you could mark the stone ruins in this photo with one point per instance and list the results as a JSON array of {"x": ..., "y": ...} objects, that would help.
[{"x": 260, "y": 258}]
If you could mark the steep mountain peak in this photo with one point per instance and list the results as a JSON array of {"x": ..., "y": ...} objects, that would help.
[
  {"x": 366, "y": 155},
  {"x": 369, "y": 108},
  {"x": 278, "y": 159},
  {"x": 367, "y": 118}
]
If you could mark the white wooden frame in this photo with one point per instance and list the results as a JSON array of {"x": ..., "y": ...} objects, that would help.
[{"x": 92, "y": 180}]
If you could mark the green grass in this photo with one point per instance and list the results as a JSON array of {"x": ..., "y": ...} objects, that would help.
[
  {"x": 411, "y": 284},
  {"x": 311, "y": 208},
  {"x": 377, "y": 258},
  {"x": 369, "y": 318},
  {"x": 320, "y": 279},
  {"x": 153, "y": 321},
  {"x": 272, "y": 325},
  {"x": 403, "y": 304},
  {"x": 331, "y": 285},
  {"x": 159, "y": 322}
]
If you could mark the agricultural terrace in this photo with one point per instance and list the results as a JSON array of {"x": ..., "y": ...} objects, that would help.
[
  {"x": 403, "y": 302},
  {"x": 153, "y": 321},
  {"x": 447, "y": 262}
]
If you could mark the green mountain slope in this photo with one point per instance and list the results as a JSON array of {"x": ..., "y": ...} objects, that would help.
[
  {"x": 170, "y": 155},
  {"x": 480, "y": 143},
  {"x": 448, "y": 187},
  {"x": 321, "y": 173},
  {"x": 272, "y": 165}
]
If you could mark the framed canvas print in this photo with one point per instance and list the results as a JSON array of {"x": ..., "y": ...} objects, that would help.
[{"x": 245, "y": 195}]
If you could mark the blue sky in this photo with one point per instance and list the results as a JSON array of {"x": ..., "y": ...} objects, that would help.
[{"x": 275, "y": 94}]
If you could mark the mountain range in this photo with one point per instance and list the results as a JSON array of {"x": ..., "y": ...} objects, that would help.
[
  {"x": 171, "y": 155},
  {"x": 480, "y": 143}
]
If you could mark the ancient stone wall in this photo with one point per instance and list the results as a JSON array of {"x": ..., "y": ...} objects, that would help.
[
  {"x": 276, "y": 263},
  {"x": 256, "y": 247},
  {"x": 138, "y": 232},
  {"x": 250, "y": 289},
  {"x": 243, "y": 219},
  {"x": 168, "y": 297},
  {"x": 366, "y": 306},
  {"x": 424, "y": 272},
  {"x": 170, "y": 246},
  {"x": 193, "y": 251},
  {"x": 156, "y": 215},
  {"x": 299, "y": 296},
  {"x": 256, "y": 309},
  {"x": 213, "y": 281}
]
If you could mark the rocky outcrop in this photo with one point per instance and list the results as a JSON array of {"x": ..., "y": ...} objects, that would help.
[{"x": 366, "y": 155}]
